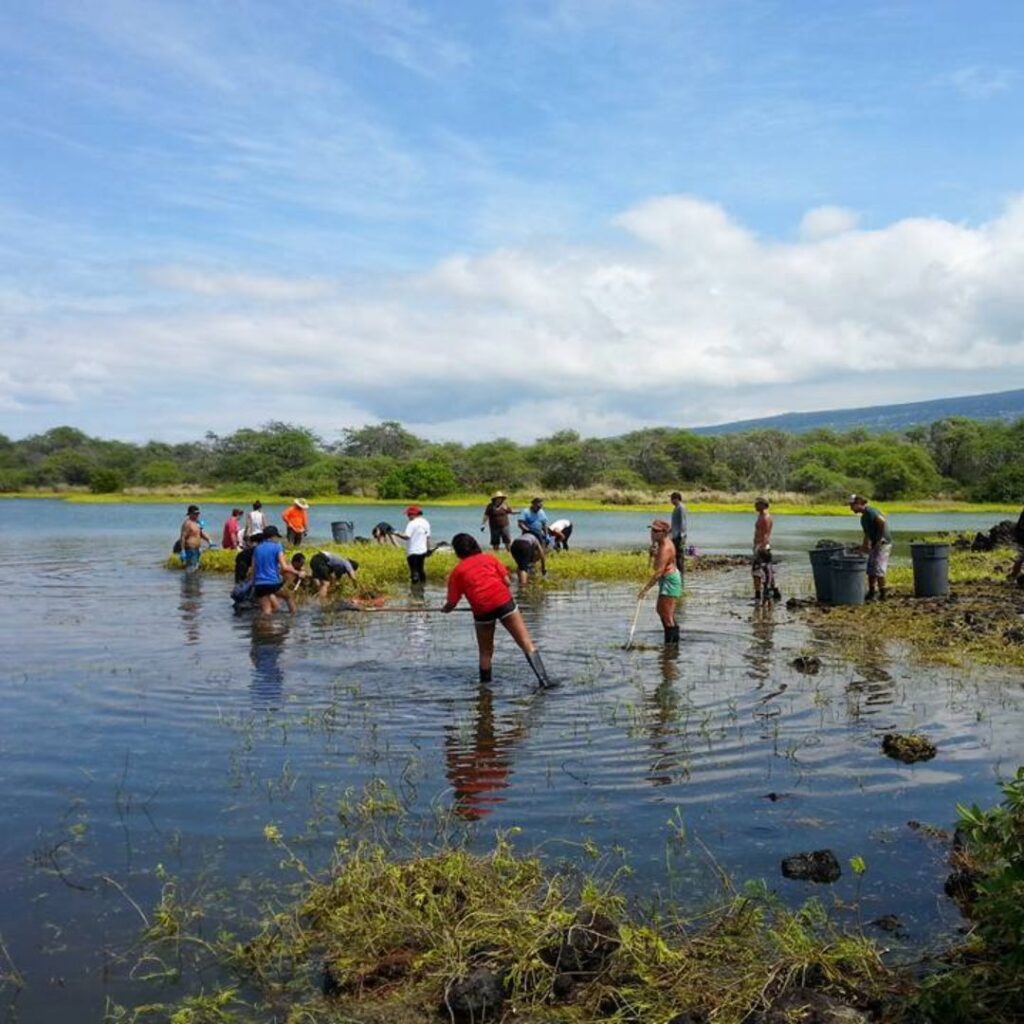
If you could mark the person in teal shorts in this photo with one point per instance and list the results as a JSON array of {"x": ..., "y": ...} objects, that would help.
[{"x": 667, "y": 578}]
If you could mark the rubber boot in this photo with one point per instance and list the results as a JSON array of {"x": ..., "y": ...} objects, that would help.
[
  {"x": 540, "y": 671},
  {"x": 675, "y": 635},
  {"x": 671, "y": 636},
  {"x": 485, "y": 675}
]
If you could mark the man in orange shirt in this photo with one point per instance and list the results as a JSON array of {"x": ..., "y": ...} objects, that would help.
[{"x": 296, "y": 521}]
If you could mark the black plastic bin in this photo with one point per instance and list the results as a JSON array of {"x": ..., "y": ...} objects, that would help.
[{"x": 849, "y": 578}]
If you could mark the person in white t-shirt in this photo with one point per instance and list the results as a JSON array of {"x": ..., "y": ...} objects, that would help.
[
  {"x": 255, "y": 523},
  {"x": 560, "y": 531},
  {"x": 417, "y": 538}
]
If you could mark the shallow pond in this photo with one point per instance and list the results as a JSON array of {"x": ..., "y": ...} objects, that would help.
[{"x": 144, "y": 724}]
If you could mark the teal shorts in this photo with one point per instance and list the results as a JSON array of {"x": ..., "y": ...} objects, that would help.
[{"x": 671, "y": 584}]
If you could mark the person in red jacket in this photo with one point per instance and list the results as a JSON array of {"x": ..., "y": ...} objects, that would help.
[{"x": 484, "y": 582}]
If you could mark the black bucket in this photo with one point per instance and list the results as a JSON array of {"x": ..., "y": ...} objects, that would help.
[
  {"x": 821, "y": 566},
  {"x": 849, "y": 578}
]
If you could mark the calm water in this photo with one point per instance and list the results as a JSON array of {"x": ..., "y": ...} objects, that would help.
[{"x": 144, "y": 724}]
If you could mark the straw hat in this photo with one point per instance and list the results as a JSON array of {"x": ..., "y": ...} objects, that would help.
[
  {"x": 498, "y": 494},
  {"x": 301, "y": 502}
]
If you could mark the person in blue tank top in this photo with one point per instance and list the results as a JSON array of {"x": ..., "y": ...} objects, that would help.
[{"x": 269, "y": 568}]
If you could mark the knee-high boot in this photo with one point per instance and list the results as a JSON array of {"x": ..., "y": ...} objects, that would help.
[{"x": 540, "y": 671}]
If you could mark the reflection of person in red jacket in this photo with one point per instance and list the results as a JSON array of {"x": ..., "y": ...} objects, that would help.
[
  {"x": 478, "y": 766},
  {"x": 296, "y": 521}
]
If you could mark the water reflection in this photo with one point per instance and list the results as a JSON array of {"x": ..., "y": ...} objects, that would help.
[
  {"x": 191, "y": 605},
  {"x": 266, "y": 688},
  {"x": 479, "y": 765},
  {"x": 662, "y": 717},
  {"x": 759, "y": 654}
]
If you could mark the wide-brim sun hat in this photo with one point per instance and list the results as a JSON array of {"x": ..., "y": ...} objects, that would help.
[
  {"x": 498, "y": 494},
  {"x": 301, "y": 502},
  {"x": 414, "y": 510}
]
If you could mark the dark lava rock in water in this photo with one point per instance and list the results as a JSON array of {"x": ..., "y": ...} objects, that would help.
[
  {"x": 477, "y": 997},
  {"x": 908, "y": 747},
  {"x": 816, "y": 866},
  {"x": 689, "y": 1017},
  {"x": 586, "y": 945},
  {"x": 809, "y": 664},
  {"x": 562, "y": 986},
  {"x": 1003, "y": 534},
  {"x": 889, "y": 923},
  {"x": 805, "y": 1006},
  {"x": 962, "y": 886}
]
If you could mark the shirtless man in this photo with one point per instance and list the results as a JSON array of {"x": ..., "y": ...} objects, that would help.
[
  {"x": 667, "y": 577},
  {"x": 192, "y": 537},
  {"x": 761, "y": 563}
]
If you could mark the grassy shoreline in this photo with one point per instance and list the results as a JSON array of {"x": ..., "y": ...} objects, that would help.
[{"x": 740, "y": 503}]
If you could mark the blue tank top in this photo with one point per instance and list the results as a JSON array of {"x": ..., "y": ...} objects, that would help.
[{"x": 265, "y": 558}]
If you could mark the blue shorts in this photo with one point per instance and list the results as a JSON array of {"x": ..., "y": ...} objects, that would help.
[{"x": 190, "y": 557}]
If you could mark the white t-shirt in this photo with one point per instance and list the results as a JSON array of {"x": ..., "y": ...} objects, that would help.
[
  {"x": 560, "y": 525},
  {"x": 418, "y": 533},
  {"x": 255, "y": 521}
]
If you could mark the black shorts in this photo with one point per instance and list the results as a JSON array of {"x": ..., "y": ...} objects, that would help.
[
  {"x": 525, "y": 553},
  {"x": 266, "y": 589},
  {"x": 503, "y": 611},
  {"x": 320, "y": 567}
]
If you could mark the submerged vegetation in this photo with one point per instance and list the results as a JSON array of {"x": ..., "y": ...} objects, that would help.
[
  {"x": 954, "y": 457},
  {"x": 447, "y": 935}
]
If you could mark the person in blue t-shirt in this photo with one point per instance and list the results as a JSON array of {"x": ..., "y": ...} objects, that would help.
[
  {"x": 269, "y": 567},
  {"x": 535, "y": 520}
]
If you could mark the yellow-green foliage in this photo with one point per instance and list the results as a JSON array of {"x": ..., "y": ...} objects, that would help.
[{"x": 392, "y": 935}]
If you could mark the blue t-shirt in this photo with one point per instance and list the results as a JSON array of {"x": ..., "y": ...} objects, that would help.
[
  {"x": 265, "y": 560},
  {"x": 535, "y": 522}
]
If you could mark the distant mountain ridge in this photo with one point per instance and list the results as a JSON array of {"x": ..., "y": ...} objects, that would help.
[{"x": 1002, "y": 405}]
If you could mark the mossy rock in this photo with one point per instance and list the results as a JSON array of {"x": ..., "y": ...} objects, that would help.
[{"x": 908, "y": 747}]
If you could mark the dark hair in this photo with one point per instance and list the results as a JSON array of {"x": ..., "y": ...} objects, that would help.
[
  {"x": 237, "y": 511},
  {"x": 298, "y": 559},
  {"x": 353, "y": 563},
  {"x": 675, "y": 494},
  {"x": 464, "y": 545},
  {"x": 257, "y": 504},
  {"x": 255, "y": 538}
]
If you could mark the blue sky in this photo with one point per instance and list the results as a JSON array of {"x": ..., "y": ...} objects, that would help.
[{"x": 503, "y": 219}]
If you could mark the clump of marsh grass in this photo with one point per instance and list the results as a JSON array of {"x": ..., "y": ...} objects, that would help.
[{"x": 384, "y": 938}]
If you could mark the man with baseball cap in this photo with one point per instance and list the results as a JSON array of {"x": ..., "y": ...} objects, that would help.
[
  {"x": 876, "y": 545},
  {"x": 417, "y": 538},
  {"x": 191, "y": 539}
]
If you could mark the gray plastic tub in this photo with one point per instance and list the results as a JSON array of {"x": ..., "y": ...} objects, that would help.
[
  {"x": 931, "y": 569},
  {"x": 821, "y": 567},
  {"x": 848, "y": 578},
  {"x": 342, "y": 531}
]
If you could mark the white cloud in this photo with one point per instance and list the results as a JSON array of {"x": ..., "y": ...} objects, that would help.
[
  {"x": 979, "y": 83},
  {"x": 826, "y": 221},
  {"x": 692, "y": 318}
]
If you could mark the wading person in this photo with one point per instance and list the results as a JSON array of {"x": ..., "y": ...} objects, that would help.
[
  {"x": 417, "y": 538},
  {"x": 877, "y": 544},
  {"x": 496, "y": 516},
  {"x": 560, "y": 531},
  {"x": 678, "y": 531},
  {"x": 243, "y": 560},
  {"x": 269, "y": 568},
  {"x": 328, "y": 567},
  {"x": 231, "y": 537},
  {"x": 528, "y": 554},
  {"x": 667, "y": 578},
  {"x": 191, "y": 539},
  {"x": 1014, "y": 574},
  {"x": 255, "y": 522},
  {"x": 535, "y": 520},
  {"x": 483, "y": 581},
  {"x": 296, "y": 521},
  {"x": 762, "y": 567},
  {"x": 384, "y": 533}
]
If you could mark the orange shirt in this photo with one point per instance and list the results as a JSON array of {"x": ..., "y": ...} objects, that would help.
[{"x": 296, "y": 518}]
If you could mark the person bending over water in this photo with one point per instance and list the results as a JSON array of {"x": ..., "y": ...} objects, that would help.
[
  {"x": 528, "y": 553},
  {"x": 327, "y": 566},
  {"x": 269, "y": 567},
  {"x": 667, "y": 577},
  {"x": 483, "y": 580}
]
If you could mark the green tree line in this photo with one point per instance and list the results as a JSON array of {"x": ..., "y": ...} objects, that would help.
[{"x": 956, "y": 457}]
